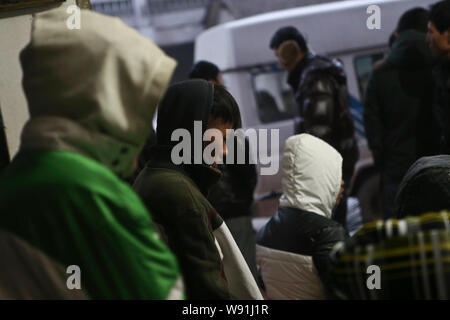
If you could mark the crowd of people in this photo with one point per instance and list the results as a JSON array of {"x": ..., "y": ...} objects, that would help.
[{"x": 94, "y": 188}]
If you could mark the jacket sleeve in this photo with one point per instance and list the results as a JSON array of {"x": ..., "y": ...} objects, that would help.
[
  {"x": 195, "y": 247},
  {"x": 317, "y": 107},
  {"x": 372, "y": 121},
  {"x": 323, "y": 241}
]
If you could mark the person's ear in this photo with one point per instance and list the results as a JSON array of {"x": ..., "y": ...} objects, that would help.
[{"x": 396, "y": 35}]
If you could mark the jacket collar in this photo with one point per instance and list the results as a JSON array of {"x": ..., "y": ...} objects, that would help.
[{"x": 202, "y": 175}]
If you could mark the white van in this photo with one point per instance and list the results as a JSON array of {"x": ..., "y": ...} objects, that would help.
[{"x": 251, "y": 73}]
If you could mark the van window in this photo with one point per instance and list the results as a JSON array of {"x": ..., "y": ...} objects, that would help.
[
  {"x": 274, "y": 97},
  {"x": 363, "y": 67}
]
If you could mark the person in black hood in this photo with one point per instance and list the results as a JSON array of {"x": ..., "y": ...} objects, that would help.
[
  {"x": 398, "y": 108},
  {"x": 320, "y": 87},
  {"x": 175, "y": 184},
  {"x": 232, "y": 196}
]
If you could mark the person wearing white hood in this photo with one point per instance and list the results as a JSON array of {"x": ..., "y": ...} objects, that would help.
[
  {"x": 92, "y": 94},
  {"x": 292, "y": 248}
]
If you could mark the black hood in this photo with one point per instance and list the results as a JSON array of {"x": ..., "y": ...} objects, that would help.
[
  {"x": 184, "y": 103},
  {"x": 410, "y": 50},
  {"x": 425, "y": 187}
]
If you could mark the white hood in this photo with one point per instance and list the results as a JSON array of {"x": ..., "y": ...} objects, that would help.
[
  {"x": 94, "y": 90},
  {"x": 312, "y": 173}
]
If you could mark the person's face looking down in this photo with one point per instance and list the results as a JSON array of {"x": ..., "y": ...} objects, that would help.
[
  {"x": 439, "y": 43},
  {"x": 219, "y": 124},
  {"x": 289, "y": 54}
]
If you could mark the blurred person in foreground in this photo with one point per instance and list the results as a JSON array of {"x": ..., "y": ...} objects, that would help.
[
  {"x": 232, "y": 196},
  {"x": 90, "y": 100},
  {"x": 412, "y": 253},
  {"x": 292, "y": 248}
]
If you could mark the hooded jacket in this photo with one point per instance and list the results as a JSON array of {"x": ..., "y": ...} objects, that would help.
[
  {"x": 425, "y": 187},
  {"x": 293, "y": 246},
  {"x": 441, "y": 74},
  {"x": 320, "y": 87},
  {"x": 211, "y": 263},
  {"x": 91, "y": 94},
  {"x": 398, "y": 108}
]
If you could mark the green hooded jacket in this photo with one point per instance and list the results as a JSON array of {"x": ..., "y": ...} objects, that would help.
[{"x": 90, "y": 100}]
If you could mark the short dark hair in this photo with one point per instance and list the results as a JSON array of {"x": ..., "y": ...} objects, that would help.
[
  {"x": 288, "y": 33},
  {"x": 440, "y": 15},
  {"x": 224, "y": 107},
  {"x": 414, "y": 19},
  {"x": 204, "y": 70}
]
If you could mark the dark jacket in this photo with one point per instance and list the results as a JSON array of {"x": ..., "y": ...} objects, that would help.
[
  {"x": 425, "y": 187},
  {"x": 177, "y": 195},
  {"x": 320, "y": 88},
  {"x": 232, "y": 196},
  {"x": 398, "y": 108},
  {"x": 441, "y": 73}
]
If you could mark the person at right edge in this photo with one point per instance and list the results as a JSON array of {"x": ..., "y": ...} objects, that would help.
[
  {"x": 90, "y": 100},
  {"x": 438, "y": 38},
  {"x": 320, "y": 88},
  {"x": 398, "y": 108}
]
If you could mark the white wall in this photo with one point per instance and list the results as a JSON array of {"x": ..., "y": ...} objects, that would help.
[{"x": 14, "y": 35}]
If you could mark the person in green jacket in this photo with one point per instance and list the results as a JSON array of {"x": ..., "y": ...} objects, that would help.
[
  {"x": 91, "y": 95},
  {"x": 176, "y": 191}
]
